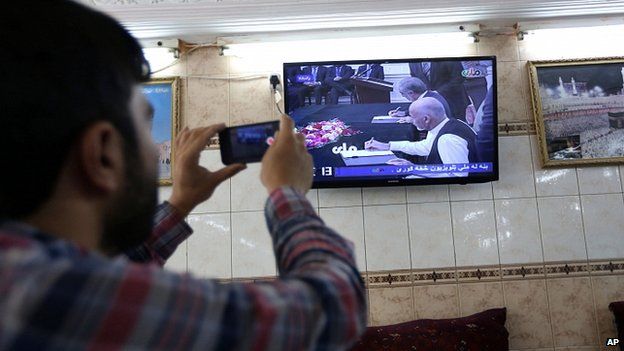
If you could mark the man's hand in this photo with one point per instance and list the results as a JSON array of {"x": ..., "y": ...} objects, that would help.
[
  {"x": 397, "y": 113},
  {"x": 374, "y": 145},
  {"x": 192, "y": 183},
  {"x": 287, "y": 161},
  {"x": 406, "y": 120}
]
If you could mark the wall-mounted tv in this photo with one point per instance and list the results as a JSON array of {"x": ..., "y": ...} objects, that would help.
[{"x": 396, "y": 122}]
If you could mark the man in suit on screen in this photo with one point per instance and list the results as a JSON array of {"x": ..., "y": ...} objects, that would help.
[
  {"x": 446, "y": 78},
  {"x": 413, "y": 89}
]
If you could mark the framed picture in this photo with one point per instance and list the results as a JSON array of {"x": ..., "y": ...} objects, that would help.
[
  {"x": 163, "y": 94},
  {"x": 579, "y": 110}
]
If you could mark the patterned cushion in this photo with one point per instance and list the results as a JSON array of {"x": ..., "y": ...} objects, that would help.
[
  {"x": 481, "y": 331},
  {"x": 618, "y": 312}
]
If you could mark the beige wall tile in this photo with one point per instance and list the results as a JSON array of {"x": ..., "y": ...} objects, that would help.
[
  {"x": 599, "y": 180},
  {"x": 349, "y": 222},
  {"x": 252, "y": 248},
  {"x": 427, "y": 193},
  {"x": 384, "y": 196},
  {"x": 207, "y": 62},
  {"x": 208, "y": 102},
  {"x": 431, "y": 235},
  {"x": 390, "y": 306},
  {"x": 178, "y": 262},
  {"x": 340, "y": 197},
  {"x": 518, "y": 231},
  {"x": 572, "y": 312},
  {"x": 312, "y": 196},
  {"x": 474, "y": 232},
  {"x": 607, "y": 290},
  {"x": 247, "y": 192},
  {"x": 476, "y": 191},
  {"x": 516, "y": 168},
  {"x": 562, "y": 228},
  {"x": 504, "y": 47},
  {"x": 436, "y": 301},
  {"x": 250, "y": 101},
  {"x": 511, "y": 98},
  {"x": 603, "y": 218},
  {"x": 528, "y": 320},
  {"x": 386, "y": 235},
  {"x": 478, "y": 297},
  {"x": 210, "y": 246}
]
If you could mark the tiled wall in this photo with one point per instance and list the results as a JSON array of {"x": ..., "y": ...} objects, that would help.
[{"x": 547, "y": 244}]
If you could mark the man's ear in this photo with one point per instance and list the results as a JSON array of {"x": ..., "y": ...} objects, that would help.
[{"x": 101, "y": 157}]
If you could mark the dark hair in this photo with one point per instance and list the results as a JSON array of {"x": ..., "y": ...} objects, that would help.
[{"x": 65, "y": 67}]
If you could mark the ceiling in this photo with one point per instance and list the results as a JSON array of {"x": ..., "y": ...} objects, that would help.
[{"x": 196, "y": 20}]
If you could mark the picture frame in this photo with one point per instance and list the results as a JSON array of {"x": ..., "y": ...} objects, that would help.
[
  {"x": 164, "y": 96},
  {"x": 578, "y": 107}
]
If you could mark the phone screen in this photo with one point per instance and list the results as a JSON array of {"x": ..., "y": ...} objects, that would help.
[{"x": 247, "y": 143}]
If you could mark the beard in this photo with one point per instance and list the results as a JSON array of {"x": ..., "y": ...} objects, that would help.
[{"x": 129, "y": 221}]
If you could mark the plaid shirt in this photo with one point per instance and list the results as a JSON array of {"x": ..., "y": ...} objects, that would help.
[{"x": 55, "y": 295}]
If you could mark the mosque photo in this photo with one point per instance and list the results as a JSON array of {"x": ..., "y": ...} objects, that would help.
[{"x": 582, "y": 110}]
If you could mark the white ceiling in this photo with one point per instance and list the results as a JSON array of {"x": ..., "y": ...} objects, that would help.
[{"x": 195, "y": 19}]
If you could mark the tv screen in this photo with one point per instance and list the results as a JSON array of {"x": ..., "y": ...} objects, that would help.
[{"x": 396, "y": 122}]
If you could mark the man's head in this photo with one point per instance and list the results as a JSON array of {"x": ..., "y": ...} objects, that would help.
[
  {"x": 427, "y": 113},
  {"x": 411, "y": 88},
  {"x": 74, "y": 121}
]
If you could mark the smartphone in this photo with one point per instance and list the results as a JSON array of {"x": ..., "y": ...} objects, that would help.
[{"x": 246, "y": 143}]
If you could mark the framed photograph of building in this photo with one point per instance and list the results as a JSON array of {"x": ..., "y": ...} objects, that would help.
[
  {"x": 163, "y": 95},
  {"x": 579, "y": 110}
]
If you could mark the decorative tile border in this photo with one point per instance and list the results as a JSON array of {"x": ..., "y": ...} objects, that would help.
[
  {"x": 527, "y": 271},
  {"x": 567, "y": 269},
  {"x": 385, "y": 279},
  {"x": 436, "y": 276},
  {"x": 476, "y": 274},
  {"x": 516, "y": 128},
  {"x": 390, "y": 278},
  {"x": 606, "y": 267}
]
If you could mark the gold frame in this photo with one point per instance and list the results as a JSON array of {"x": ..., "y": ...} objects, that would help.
[
  {"x": 536, "y": 102},
  {"x": 175, "y": 118}
]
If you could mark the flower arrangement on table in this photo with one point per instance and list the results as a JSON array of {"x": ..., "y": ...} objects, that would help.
[{"x": 319, "y": 134}]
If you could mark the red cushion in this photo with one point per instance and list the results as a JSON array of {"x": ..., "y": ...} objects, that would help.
[
  {"x": 480, "y": 331},
  {"x": 618, "y": 312}
]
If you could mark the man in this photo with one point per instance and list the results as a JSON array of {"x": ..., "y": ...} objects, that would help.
[
  {"x": 486, "y": 125},
  {"x": 338, "y": 81},
  {"x": 448, "y": 141},
  {"x": 294, "y": 86},
  {"x": 315, "y": 86},
  {"x": 368, "y": 71},
  {"x": 446, "y": 78},
  {"x": 413, "y": 89},
  {"x": 79, "y": 260}
]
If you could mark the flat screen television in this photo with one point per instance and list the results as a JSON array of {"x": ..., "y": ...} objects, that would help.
[{"x": 396, "y": 122}]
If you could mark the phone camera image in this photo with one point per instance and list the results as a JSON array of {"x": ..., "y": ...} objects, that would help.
[{"x": 246, "y": 143}]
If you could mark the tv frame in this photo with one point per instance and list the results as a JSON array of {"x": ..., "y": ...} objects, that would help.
[{"x": 363, "y": 182}]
